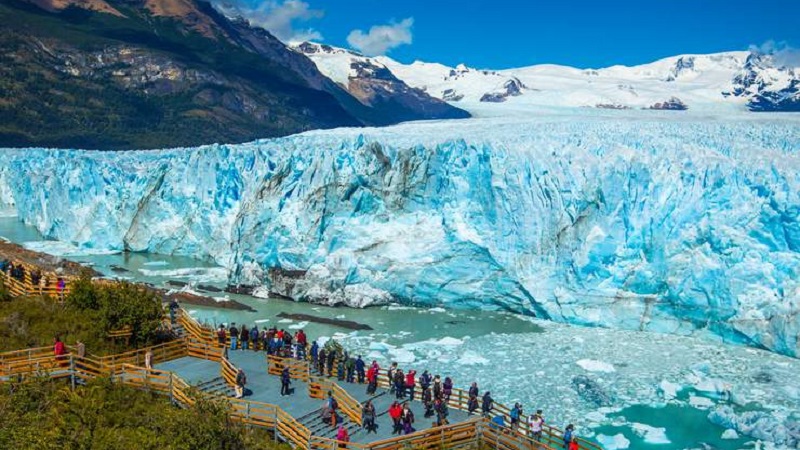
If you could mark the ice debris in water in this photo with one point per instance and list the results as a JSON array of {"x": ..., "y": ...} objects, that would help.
[
  {"x": 592, "y": 365},
  {"x": 662, "y": 224},
  {"x": 538, "y": 369},
  {"x": 651, "y": 435},
  {"x": 616, "y": 442}
]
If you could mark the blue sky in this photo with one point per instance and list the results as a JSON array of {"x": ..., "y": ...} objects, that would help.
[{"x": 511, "y": 33}]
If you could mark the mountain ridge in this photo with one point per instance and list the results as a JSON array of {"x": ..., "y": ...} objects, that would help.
[
  {"x": 143, "y": 74},
  {"x": 736, "y": 80}
]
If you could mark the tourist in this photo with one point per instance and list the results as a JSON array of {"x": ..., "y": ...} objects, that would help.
[
  {"x": 241, "y": 382},
  {"x": 447, "y": 389},
  {"x": 488, "y": 404},
  {"x": 396, "y": 413},
  {"x": 234, "y": 332},
  {"x": 437, "y": 387},
  {"x": 410, "y": 383},
  {"x": 221, "y": 335},
  {"x": 441, "y": 412},
  {"x": 148, "y": 359},
  {"x": 59, "y": 350},
  {"x": 535, "y": 425},
  {"x": 473, "y": 390},
  {"x": 321, "y": 362},
  {"x": 331, "y": 362},
  {"x": 314, "y": 353},
  {"x": 350, "y": 367},
  {"x": 61, "y": 285},
  {"x": 244, "y": 336},
  {"x": 390, "y": 377},
  {"x": 332, "y": 406},
  {"x": 81, "y": 349},
  {"x": 286, "y": 380},
  {"x": 515, "y": 414},
  {"x": 254, "y": 335},
  {"x": 425, "y": 381},
  {"x": 372, "y": 379},
  {"x": 399, "y": 384},
  {"x": 360, "y": 369},
  {"x": 573, "y": 444},
  {"x": 498, "y": 423},
  {"x": 173, "y": 310},
  {"x": 472, "y": 404},
  {"x": 342, "y": 437},
  {"x": 427, "y": 401},
  {"x": 408, "y": 420},
  {"x": 340, "y": 371},
  {"x": 569, "y": 435},
  {"x": 368, "y": 417}
]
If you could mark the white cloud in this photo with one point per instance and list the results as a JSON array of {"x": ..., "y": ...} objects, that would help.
[
  {"x": 279, "y": 18},
  {"x": 783, "y": 54},
  {"x": 381, "y": 38}
]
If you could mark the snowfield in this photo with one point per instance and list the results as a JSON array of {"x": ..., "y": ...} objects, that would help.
[{"x": 674, "y": 222}]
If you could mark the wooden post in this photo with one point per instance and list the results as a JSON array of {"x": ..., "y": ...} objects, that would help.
[
  {"x": 171, "y": 394},
  {"x": 72, "y": 371}
]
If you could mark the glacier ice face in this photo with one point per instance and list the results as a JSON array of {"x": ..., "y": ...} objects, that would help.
[{"x": 682, "y": 225}]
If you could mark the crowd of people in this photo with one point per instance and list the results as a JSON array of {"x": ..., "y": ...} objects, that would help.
[
  {"x": 18, "y": 272},
  {"x": 431, "y": 390}
]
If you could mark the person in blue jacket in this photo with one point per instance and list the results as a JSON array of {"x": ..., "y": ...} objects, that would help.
[{"x": 360, "y": 369}]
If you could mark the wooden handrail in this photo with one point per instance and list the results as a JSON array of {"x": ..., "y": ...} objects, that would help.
[
  {"x": 319, "y": 387},
  {"x": 298, "y": 369}
]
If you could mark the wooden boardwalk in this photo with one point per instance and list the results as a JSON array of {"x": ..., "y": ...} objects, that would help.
[{"x": 197, "y": 365}]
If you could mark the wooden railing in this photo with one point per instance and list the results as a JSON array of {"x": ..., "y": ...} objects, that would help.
[
  {"x": 228, "y": 371},
  {"x": 195, "y": 329},
  {"x": 161, "y": 353},
  {"x": 319, "y": 388},
  {"x": 47, "y": 285},
  {"x": 298, "y": 369}
]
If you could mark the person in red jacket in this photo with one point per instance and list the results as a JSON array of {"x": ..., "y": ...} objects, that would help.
[
  {"x": 59, "y": 350},
  {"x": 410, "y": 383},
  {"x": 396, "y": 413}
]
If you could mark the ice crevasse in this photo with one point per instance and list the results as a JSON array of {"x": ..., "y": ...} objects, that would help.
[{"x": 671, "y": 225}]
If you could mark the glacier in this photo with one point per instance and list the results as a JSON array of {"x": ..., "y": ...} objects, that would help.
[{"x": 673, "y": 223}]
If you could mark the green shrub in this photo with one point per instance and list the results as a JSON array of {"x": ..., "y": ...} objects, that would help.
[{"x": 45, "y": 414}]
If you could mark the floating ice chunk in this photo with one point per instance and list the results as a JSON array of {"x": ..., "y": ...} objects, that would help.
[
  {"x": 261, "y": 292},
  {"x": 730, "y": 434},
  {"x": 669, "y": 390},
  {"x": 700, "y": 402},
  {"x": 380, "y": 347},
  {"x": 649, "y": 434},
  {"x": 285, "y": 321},
  {"x": 470, "y": 358},
  {"x": 437, "y": 310},
  {"x": 341, "y": 316},
  {"x": 203, "y": 274},
  {"x": 593, "y": 365},
  {"x": 156, "y": 263},
  {"x": 448, "y": 341},
  {"x": 261, "y": 320},
  {"x": 616, "y": 442},
  {"x": 298, "y": 326},
  {"x": 375, "y": 355},
  {"x": 402, "y": 356}
]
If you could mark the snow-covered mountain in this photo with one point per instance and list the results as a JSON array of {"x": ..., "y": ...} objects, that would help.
[
  {"x": 375, "y": 86},
  {"x": 734, "y": 80}
]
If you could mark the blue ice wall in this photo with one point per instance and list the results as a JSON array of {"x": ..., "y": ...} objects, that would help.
[{"x": 672, "y": 225}]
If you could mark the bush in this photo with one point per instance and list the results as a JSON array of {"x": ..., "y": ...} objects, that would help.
[
  {"x": 45, "y": 414},
  {"x": 119, "y": 305}
]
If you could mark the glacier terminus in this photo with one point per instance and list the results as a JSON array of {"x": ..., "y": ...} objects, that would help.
[{"x": 657, "y": 221}]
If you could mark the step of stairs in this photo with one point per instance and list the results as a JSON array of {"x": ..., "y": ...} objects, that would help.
[{"x": 216, "y": 387}]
